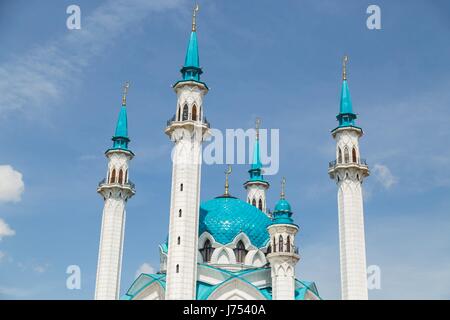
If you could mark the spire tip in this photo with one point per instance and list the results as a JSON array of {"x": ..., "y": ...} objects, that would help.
[
  {"x": 126, "y": 86},
  {"x": 194, "y": 16},
  {"x": 344, "y": 67}
]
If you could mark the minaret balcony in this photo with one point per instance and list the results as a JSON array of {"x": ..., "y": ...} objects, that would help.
[
  {"x": 103, "y": 185},
  {"x": 360, "y": 164}
]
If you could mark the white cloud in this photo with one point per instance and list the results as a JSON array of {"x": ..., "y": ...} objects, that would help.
[
  {"x": 5, "y": 230},
  {"x": 11, "y": 184},
  {"x": 144, "y": 268},
  {"x": 42, "y": 75},
  {"x": 384, "y": 175}
]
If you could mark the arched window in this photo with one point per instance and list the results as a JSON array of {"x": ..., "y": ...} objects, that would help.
[
  {"x": 120, "y": 176},
  {"x": 274, "y": 245},
  {"x": 179, "y": 213},
  {"x": 207, "y": 251},
  {"x": 254, "y": 202},
  {"x": 260, "y": 206},
  {"x": 178, "y": 268},
  {"x": 280, "y": 244},
  {"x": 185, "y": 112},
  {"x": 194, "y": 113},
  {"x": 340, "y": 156},
  {"x": 240, "y": 252},
  {"x": 179, "y": 113},
  {"x": 181, "y": 187},
  {"x": 113, "y": 176},
  {"x": 354, "y": 155},
  {"x": 288, "y": 244},
  {"x": 125, "y": 180},
  {"x": 346, "y": 155},
  {"x": 178, "y": 240}
]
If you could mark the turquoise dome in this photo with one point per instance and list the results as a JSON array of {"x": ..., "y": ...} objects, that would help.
[
  {"x": 283, "y": 205},
  {"x": 225, "y": 217}
]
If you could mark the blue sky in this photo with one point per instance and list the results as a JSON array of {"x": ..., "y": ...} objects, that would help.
[{"x": 60, "y": 97}]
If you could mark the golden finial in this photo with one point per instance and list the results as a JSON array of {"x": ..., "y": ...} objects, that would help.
[
  {"x": 283, "y": 186},
  {"x": 125, "y": 92},
  {"x": 194, "y": 16},
  {"x": 227, "y": 173},
  {"x": 344, "y": 67},
  {"x": 257, "y": 125}
]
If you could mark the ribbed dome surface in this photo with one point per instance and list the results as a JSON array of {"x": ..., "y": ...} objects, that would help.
[{"x": 225, "y": 217}]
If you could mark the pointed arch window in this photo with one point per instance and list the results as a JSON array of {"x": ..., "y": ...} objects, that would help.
[
  {"x": 179, "y": 113},
  {"x": 185, "y": 112},
  {"x": 240, "y": 252},
  {"x": 180, "y": 213},
  {"x": 120, "y": 176},
  {"x": 260, "y": 205},
  {"x": 274, "y": 245},
  {"x": 280, "y": 244},
  {"x": 339, "y": 155},
  {"x": 254, "y": 202},
  {"x": 354, "y": 155},
  {"x": 194, "y": 113},
  {"x": 288, "y": 244},
  {"x": 346, "y": 155},
  {"x": 181, "y": 187},
  {"x": 178, "y": 268},
  {"x": 125, "y": 180},
  {"x": 207, "y": 251},
  {"x": 113, "y": 176},
  {"x": 179, "y": 240}
]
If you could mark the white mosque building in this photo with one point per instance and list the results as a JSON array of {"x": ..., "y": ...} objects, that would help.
[{"x": 227, "y": 248}]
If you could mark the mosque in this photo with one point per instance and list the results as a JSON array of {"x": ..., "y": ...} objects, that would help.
[{"x": 227, "y": 248}]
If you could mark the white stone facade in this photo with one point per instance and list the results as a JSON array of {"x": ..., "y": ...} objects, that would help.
[
  {"x": 256, "y": 194},
  {"x": 115, "y": 190},
  {"x": 187, "y": 131},
  {"x": 283, "y": 257},
  {"x": 349, "y": 171}
]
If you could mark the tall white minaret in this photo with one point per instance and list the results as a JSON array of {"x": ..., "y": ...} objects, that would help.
[
  {"x": 257, "y": 186},
  {"x": 349, "y": 171},
  {"x": 115, "y": 189},
  {"x": 187, "y": 130},
  {"x": 283, "y": 255}
]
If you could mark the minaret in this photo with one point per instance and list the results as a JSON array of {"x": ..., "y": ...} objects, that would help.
[
  {"x": 283, "y": 255},
  {"x": 187, "y": 129},
  {"x": 349, "y": 171},
  {"x": 115, "y": 189},
  {"x": 257, "y": 186}
]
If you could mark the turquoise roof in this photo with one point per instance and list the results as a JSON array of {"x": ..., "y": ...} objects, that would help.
[
  {"x": 225, "y": 217},
  {"x": 282, "y": 213},
  {"x": 120, "y": 138},
  {"x": 256, "y": 167},
  {"x": 191, "y": 70},
  {"x": 204, "y": 290},
  {"x": 346, "y": 117}
]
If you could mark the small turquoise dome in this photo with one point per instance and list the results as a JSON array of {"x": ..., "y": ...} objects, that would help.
[
  {"x": 225, "y": 217},
  {"x": 283, "y": 205},
  {"x": 282, "y": 213}
]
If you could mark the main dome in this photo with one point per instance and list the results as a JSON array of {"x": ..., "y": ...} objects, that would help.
[{"x": 225, "y": 217}]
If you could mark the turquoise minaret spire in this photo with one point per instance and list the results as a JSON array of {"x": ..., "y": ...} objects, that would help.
[
  {"x": 256, "y": 167},
  {"x": 191, "y": 70},
  {"x": 256, "y": 186},
  {"x": 346, "y": 117},
  {"x": 120, "y": 138},
  {"x": 282, "y": 213}
]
